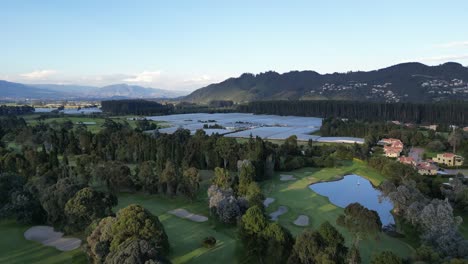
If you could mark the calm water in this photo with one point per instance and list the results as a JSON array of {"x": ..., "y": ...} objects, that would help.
[
  {"x": 242, "y": 125},
  {"x": 347, "y": 191}
]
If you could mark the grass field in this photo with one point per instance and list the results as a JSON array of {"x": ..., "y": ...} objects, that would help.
[
  {"x": 14, "y": 248},
  {"x": 75, "y": 119},
  {"x": 185, "y": 236},
  {"x": 301, "y": 200}
]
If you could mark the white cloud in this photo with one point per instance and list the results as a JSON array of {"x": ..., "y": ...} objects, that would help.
[
  {"x": 144, "y": 77},
  {"x": 453, "y": 44},
  {"x": 199, "y": 79},
  {"x": 154, "y": 79},
  {"x": 445, "y": 58},
  {"x": 38, "y": 75}
]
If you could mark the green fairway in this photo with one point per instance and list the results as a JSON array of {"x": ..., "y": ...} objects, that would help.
[
  {"x": 14, "y": 248},
  {"x": 186, "y": 236},
  {"x": 301, "y": 200},
  {"x": 76, "y": 119}
]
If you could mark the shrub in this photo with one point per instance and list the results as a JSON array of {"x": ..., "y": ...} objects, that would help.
[{"x": 209, "y": 242}]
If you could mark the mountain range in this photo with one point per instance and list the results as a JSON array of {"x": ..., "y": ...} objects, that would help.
[
  {"x": 406, "y": 82},
  {"x": 18, "y": 91}
]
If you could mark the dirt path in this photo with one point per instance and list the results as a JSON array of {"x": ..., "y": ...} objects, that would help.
[{"x": 416, "y": 154}]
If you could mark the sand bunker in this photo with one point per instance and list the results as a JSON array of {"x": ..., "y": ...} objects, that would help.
[
  {"x": 281, "y": 210},
  {"x": 182, "y": 213},
  {"x": 268, "y": 201},
  {"x": 284, "y": 177},
  {"x": 302, "y": 220},
  {"x": 48, "y": 237}
]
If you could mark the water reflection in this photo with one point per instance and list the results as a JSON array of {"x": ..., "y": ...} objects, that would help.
[{"x": 352, "y": 189}]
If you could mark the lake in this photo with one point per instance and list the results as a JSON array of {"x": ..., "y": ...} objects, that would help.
[{"x": 347, "y": 190}]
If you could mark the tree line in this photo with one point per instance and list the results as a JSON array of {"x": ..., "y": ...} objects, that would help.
[
  {"x": 453, "y": 113},
  {"x": 136, "y": 107},
  {"x": 16, "y": 110}
]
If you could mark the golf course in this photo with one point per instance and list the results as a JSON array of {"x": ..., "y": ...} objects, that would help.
[{"x": 186, "y": 235}]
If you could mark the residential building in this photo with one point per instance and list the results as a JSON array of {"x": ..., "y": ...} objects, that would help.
[
  {"x": 407, "y": 160},
  {"x": 392, "y": 147},
  {"x": 448, "y": 159},
  {"x": 426, "y": 168}
]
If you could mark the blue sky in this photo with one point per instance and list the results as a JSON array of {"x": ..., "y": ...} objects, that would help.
[{"x": 188, "y": 44}]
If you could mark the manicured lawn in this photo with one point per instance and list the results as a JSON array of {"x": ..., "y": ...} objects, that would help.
[
  {"x": 301, "y": 200},
  {"x": 184, "y": 235},
  {"x": 14, "y": 248},
  {"x": 75, "y": 119}
]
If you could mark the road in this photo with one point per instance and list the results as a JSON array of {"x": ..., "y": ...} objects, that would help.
[{"x": 416, "y": 154}]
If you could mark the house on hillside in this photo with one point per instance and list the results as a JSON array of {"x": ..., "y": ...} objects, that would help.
[
  {"x": 426, "y": 168},
  {"x": 407, "y": 160},
  {"x": 392, "y": 147},
  {"x": 423, "y": 168},
  {"x": 448, "y": 159}
]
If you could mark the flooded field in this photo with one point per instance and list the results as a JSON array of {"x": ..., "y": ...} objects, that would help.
[
  {"x": 70, "y": 111},
  {"x": 240, "y": 125}
]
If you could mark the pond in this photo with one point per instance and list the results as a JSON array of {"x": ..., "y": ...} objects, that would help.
[{"x": 356, "y": 189}]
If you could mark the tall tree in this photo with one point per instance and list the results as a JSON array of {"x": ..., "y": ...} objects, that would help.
[
  {"x": 360, "y": 221},
  {"x": 246, "y": 176},
  {"x": 133, "y": 234},
  {"x": 455, "y": 138},
  {"x": 148, "y": 176},
  {"x": 191, "y": 182},
  {"x": 169, "y": 178},
  {"x": 226, "y": 148},
  {"x": 264, "y": 241},
  {"x": 86, "y": 206},
  {"x": 222, "y": 179}
]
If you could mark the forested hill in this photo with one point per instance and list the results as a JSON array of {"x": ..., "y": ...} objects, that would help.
[{"x": 407, "y": 82}]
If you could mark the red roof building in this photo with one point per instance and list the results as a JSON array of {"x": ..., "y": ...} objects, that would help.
[
  {"x": 407, "y": 160},
  {"x": 393, "y": 147}
]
